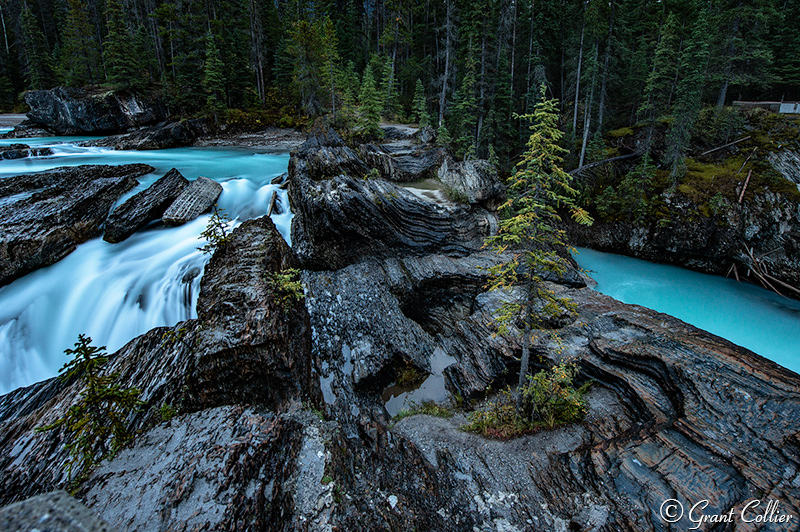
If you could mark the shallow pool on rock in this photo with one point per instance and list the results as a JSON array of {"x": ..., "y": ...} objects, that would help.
[
  {"x": 745, "y": 314},
  {"x": 114, "y": 292}
]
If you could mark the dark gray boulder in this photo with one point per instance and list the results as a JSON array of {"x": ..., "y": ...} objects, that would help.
[
  {"x": 477, "y": 180},
  {"x": 44, "y": 216},
  {"x": 144, "y": 207},
  {"x": 343, "y": 219},
  {"x": 323, "y": 155},
  {"x": 20, "y": 151},
  {"x": 159, "y": 137},
  {"x": 404, "y": 167},
  {"x": 340, "y": 217},
  {"x": 195, "y": 199},
  {"x": 71, "y": 111}
]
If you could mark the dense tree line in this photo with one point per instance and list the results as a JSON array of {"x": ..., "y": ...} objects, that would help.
[{"x": 464, "y": 66}]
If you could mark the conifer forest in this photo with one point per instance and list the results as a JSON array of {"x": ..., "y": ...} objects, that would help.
[{"x": 467, "y": 67}]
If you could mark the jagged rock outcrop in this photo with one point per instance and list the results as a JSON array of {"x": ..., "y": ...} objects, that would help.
[
  {"x": 341, "y": 217},
  {"x": 787, "y": 163},
  {"x": 674, "y": 412},
  {"x": 159, "y": 137},
  {"x": 44, "y": 216},
  {"x": 193, "y": 201},
  {"x": 768, "y": 223},
  {"x": 324, "y": 154},
  {"x": 403, "y": 167},
  {"x": 72, "y": 111},
  {"x": 144, "y": 207},
  {"x": 245, "y": 348},
  {"x": 477, "y": 180},
  {"x": 20, "y": 151}
]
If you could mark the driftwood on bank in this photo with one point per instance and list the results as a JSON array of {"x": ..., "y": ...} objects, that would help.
[
  {"x": 604, "y": 161},
  {"x": 725, "y": 145}
]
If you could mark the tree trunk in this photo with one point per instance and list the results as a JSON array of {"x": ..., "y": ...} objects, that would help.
[
  {"x": 448, "y": 45},
  {"x": 603, "y": 84},
  {"x": 578, "y": 86},
  {"x": 525, "y": 360},
  {"x": 587, "y": 115}
]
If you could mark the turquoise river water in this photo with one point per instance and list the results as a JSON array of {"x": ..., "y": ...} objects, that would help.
[
  {"x": 114, "y": 292},
  {"x": 745, "y": 314}
]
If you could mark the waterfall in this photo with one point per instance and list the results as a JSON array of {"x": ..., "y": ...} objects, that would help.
[{"x": 115, "y": 292}]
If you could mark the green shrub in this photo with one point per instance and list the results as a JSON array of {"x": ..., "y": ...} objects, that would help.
[
  {"x": 286, "y": 287},
  {"x": 549, "y": 399}
]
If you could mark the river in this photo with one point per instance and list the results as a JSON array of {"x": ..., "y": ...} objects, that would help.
[
  {"x": 115, "y": 292},
  {"x": 745, "y": 314}
]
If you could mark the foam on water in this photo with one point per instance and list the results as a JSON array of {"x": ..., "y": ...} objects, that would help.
[
  {"x": 114, "y": 292},
  {"x": 747, "y": 315}
]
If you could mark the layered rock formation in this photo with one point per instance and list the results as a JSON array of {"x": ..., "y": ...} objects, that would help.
[
  {"x": 44, "y": 216},
  {"x": 159, "y": 137},
  {"x": 193, "y": 201},
  {"x": 71, "y": 111},
  {"x": 340, "y": 217},
  {"x": 245, "y": 348},
  {"x": 144, "y": 207}
]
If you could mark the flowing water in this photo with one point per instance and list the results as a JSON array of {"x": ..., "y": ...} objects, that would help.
[
  {"x": 115, "y": 292},
  {"x": 745, "y": 314}
]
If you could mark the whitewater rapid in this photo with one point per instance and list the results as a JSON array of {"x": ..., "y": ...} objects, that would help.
[{"x": 115, "y": 292}]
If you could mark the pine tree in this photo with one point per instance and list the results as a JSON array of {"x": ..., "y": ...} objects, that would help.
[
  {"x": 389, "y": 89},
  {"x": 38, "y": 66},
  {"x": 465, "y": 113},
  {"x": 420, "y": 105},
  {"x": 79, "y": 61},
  {"x": 370, "y": 108},
  {"x": 122, "y": 68},
  {"x": 538, "y": 188},
  {"x": 688, "y": 95},
  {"x": 213, "y": 79},
  {"x": 660, "y": 80}
]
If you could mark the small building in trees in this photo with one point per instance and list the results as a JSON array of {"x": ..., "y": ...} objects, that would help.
[{"x": 775, "y": 107}]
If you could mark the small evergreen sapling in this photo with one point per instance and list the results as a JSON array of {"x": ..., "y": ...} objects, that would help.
[
  {"x": 95, "y": 427},
  {"x": 216, "y": 232}
]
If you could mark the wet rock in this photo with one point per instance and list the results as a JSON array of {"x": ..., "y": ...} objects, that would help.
[
  {"x": 44, "y": 216},
  {"x": 226, "y": 468},
  {"x": 402, "y": 168},
  {"x": 768, "y": 224},
  {"x": 72, "y": 111},
  {"x": 144, "y": 207},
  {"x": 195, "y": 199},
  {"x": 20, "y": 151},
  {"x": 245, "y": 348},
  {"x": 26, "y": 131},
  {"x": 162, "y": 136},
  {"x": 323, "y": 155},
  {"x": 342, "y": 218},
  {"x": 50, "y": 512},
  {"x": 477, "y": 180}
]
